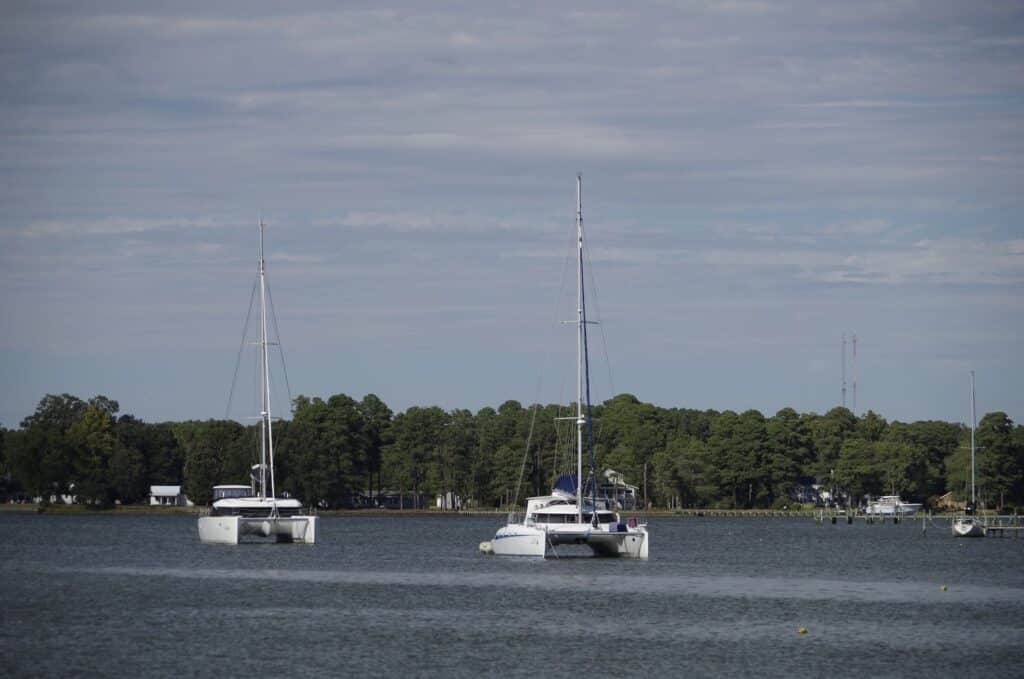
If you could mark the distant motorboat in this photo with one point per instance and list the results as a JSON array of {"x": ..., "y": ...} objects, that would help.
[
  {"x": 891, "y": 505},
  {"x": 968, "y": 525},
  {"x": 240, "y": 510}
]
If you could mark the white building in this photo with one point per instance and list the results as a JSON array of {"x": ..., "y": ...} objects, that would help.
[
  {"x": 449, "y": 500},
  {"x": 168, "y": 496}
]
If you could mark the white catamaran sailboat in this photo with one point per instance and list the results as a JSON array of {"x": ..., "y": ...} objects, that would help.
[
  {"x": 568, "y": 516},
  {"x": 238, "y": 510},
  {"x": 969, "y": 526}
]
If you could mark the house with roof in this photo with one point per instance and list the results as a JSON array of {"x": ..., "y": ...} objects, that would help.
[{"x": 168, "y": 496}]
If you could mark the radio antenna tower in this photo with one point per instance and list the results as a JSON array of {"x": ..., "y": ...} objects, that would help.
[
  {"x": 844, "y": 368},
  {"x": 855, "y": 374}
]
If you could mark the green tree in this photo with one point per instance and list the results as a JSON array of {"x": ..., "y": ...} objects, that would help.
[
  {"x": 448, "y": 470},
  {"x": 684, "y": 473},
  {"x": 630, "y": 433},
  {"x": 938, "y": 440},
  {"x": 163, "y": 460},
  {"x": 216, "y": 452},
  {"x": 418, "y": 437},
  {"x": 508, "y": 430},
  {"x": 997, "y": 458},
  {"x": 95, "y": 441},
  {"x": 857, "y": 469},
  {"x": 870, "y": 427},
  {"x": 905, "y": 468},
  {"x": 788, "y": 452},
  {"x": 41, "y": 457},
  {"x": 127, "y": 474},
  {"x": 326, "y": 449},
  {"x": 828, "y": 432},
  {"x": 377, "y": 435}
]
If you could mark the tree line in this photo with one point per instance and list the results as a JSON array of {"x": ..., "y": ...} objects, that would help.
[{"x": 337, "y": 452}]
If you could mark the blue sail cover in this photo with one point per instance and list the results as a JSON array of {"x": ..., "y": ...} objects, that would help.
[{"x": 566, "y": 485}]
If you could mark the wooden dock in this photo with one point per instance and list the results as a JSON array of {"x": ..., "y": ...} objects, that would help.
[{"x": 1003, "y": 528}]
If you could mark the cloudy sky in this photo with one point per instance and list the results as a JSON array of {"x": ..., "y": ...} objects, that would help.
[{"x": 759, "y": 177}]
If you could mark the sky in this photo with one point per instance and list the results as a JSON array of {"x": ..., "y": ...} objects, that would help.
[{"x": 760, "y": 179}]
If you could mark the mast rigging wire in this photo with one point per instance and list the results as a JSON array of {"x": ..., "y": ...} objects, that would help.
[
  {"x": 241, "y": 348},
  {"x": 280, "y": 348}
]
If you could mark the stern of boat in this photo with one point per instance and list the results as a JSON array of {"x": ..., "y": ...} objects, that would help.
[
  {"x": 228, "y": 530},
  {"x": 219, "y": 530},
  {"x": 631, "y": 543}
]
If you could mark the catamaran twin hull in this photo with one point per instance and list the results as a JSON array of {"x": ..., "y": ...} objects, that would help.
[
  {"x": 229, "y": 530},
  {"x": 521, "y": 540}
]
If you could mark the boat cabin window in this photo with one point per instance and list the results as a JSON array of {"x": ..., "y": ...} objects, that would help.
[
  {"x": 554, "y": 518},
  {"x": 221, "y": 492},
  {"x": 602, "y": 517}
]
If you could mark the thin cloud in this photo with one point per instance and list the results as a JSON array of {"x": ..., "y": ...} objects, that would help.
[
  {"x": 413, "y": 222},
  {"x": 112, "y": 226},
  {"x": 864, "y": 227},
  {"x": 943, "y": 261}
]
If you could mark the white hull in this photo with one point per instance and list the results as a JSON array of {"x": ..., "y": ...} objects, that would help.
[
  {"x": 516, "y": 539},
  {"x": 519, "y": 540},
  {"x": 229, "y": 530},
  {"x": 966, "y": 527}
]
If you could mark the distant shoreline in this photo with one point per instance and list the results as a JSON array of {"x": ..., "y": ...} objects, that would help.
[{"x": 70, "y": 510}]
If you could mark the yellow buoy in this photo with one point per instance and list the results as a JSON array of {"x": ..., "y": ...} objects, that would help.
[{"x": 802, "y": 630}]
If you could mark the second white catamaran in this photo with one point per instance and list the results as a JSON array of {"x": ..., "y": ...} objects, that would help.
[
  {"x": 568, "y": 516},
  {"x": 255, "y": 510}
]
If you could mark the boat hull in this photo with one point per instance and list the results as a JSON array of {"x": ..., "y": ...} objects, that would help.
[
  {"x": 521, "y": 540},
  {"x": 229, "y": 530},
  {"x": 967, "y": 528}
]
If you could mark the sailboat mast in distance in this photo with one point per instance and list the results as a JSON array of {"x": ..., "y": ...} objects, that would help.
[
  {"x": 580, "y": 417},
  {"x": 268, "y": 442},
  {"x": 974, "y": 424}
]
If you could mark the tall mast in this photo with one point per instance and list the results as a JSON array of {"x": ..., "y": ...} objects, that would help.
[
  {"x": 973, "y": 425},
  {"x": 580, "y": 417},
  {"x": 266, "y": 428}
]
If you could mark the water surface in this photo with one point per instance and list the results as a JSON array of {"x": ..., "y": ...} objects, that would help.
[{"x": 138, "y": 595}]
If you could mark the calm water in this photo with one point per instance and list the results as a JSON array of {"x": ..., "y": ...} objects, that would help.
[{"x": 411, "y": 596}]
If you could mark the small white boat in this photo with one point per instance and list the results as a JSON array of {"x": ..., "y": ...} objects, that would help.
[
  {"x": 254, "y": 510},
  {"x": 891, "y": 505},
  {"x": 968, "y": 525},
  {"x": 568, "y": 516}
]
